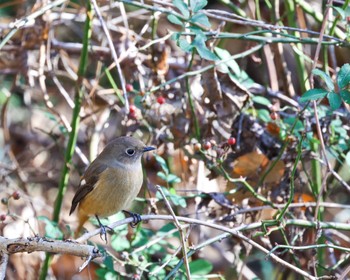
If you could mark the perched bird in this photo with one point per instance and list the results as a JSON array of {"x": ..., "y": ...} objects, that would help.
[{"x": 111, "y": 182}]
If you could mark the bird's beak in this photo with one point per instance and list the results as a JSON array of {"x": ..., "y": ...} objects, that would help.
[{"x": 147, "y": 149}]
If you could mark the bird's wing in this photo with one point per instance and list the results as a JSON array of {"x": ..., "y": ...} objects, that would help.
[{"x": 87, "y": 183}]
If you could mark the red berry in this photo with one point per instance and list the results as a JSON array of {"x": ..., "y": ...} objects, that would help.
[
  {"x": 273, "y": 116},
  {"x": 2, "y": 217},
  {"x": 207, "y": 146},
  {"x": 129, "y": 87},
  {"x": 161, "y": 100},
  {"x": 231, "y": 141},
  {"x": 16, "y": 195},
  {"x": 132, "y": 115},
  {"x": 132, "y": 109}
]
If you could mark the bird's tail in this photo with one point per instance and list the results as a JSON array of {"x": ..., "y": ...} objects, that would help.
[{"x": 82, "y": 219}]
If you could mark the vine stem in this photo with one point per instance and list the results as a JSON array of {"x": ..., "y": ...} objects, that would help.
[{"x": 190, "y": 100}]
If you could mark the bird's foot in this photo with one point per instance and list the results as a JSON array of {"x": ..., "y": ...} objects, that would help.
[
  {"x": 136, "y": 218},
  {"x": 103, "y": 231}
]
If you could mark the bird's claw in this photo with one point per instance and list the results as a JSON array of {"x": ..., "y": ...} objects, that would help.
[
  {"x": 136, "y": 218},
  {"x": 103, "y": 231}
]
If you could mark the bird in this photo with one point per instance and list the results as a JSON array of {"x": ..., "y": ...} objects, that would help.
[{"x": 111, "y": 182}]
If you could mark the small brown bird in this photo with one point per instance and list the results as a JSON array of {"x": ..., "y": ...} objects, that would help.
[{"x": 111, "y": 182}]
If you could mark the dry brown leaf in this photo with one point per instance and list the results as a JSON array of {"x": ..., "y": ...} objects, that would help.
[
  {"x": 67, "y": 267},
  {"x": 276, "y": 173},
  {"x": 249, "y": 165},
  {"x": 273, "y": 129}
]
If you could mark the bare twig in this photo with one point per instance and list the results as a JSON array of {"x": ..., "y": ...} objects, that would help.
[
  {"x": 28, "y": 20},
  {"x": 234, "y": 232},
  {"x": 181, "y": 232},
  {"x": 345, "y": 273},
  {"x": 314, "y": 103},
  {"x": 114, "y": 53}
]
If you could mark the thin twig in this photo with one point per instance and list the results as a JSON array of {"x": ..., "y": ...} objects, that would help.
[
  {"x": 114, "y": 54},
  {"x": 181, "y": 232},
  {"x": 345, "y": 273},
  {"x": 28, "y": 20},
  {"x": 234, "y": 232},
  {"x": 314, "y": 103},
  {"x": 206, "y": 68},
  {"x": 312, "y": 246},
  {"x": 159, "y": 268}
]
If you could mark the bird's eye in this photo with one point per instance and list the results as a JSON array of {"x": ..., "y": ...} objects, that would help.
[{"x": 130, "y": 152}]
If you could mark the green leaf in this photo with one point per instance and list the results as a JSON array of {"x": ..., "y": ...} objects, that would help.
[
  {"x": 102, "y": 273},
  {"x": 334, "y": 100},
  {"x": 184, "y": 45},
  {"x": 345, "y": 94},
  {"x": 176, "y": 36},
  {"x": 299, "y": 125},
  {"x": 171, "y": 178},
  {"x": 325, "y": 77},
  {"x": 120, "y": 243},
  {"x": 198, "y": 31},
  {"x": 197, "y": 5},
  {"x": 175, "y": 20},
  {"x": 165, "y": 229},
  {"x": 313, "y": 94},
  {"x": 160, "y": 273},
  {"x": 51, "y": 228},
  {"x": 232, "y": 64},
  {"x": 201, "y": 19},
  {"x": 109, "y": 263},
  {"x": 340, "y": 11},
  {"x": 200, "y": 267},
  {"x": 261, "y": 100},
  {"x": 183, "y": 8},
  {"x": 237, "y": 75},
  {"x": 161, "y": 161},
  {"x": 178, "y": 201},
  {"x": 175, "y": 199},
  {"x": 162, "y": 175},
  {"x": 203, "y": 51},
  {"x": 142, "y": 237},
  {"x": 264, "y": 115},
  {"x": 343, "y": 78}
]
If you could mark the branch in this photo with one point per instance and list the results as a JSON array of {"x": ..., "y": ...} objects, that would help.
[
  {"x": 234, "y": 232},
  {"x": 35, "y": 244}
]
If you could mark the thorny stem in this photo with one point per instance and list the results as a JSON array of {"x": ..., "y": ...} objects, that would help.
[{"x": 190, "y": 100}]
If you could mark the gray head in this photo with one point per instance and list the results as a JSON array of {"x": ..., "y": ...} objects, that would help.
[{"x": 125, "y": 150}]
